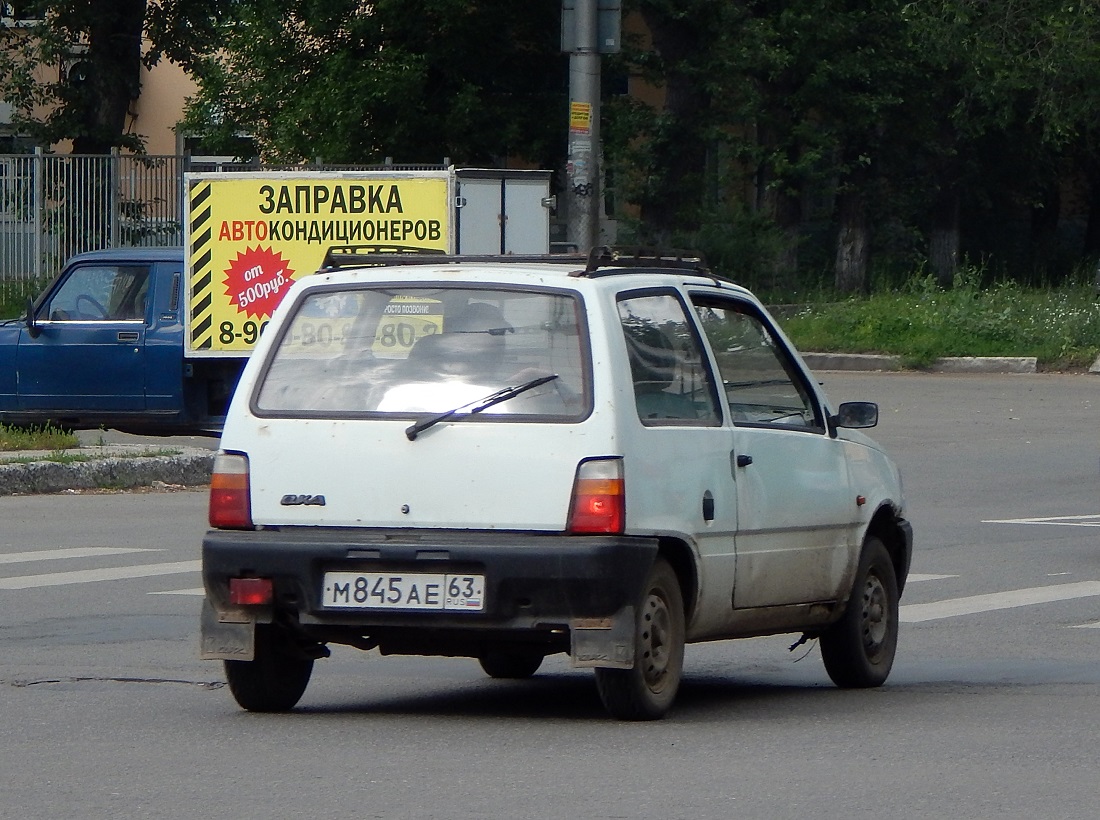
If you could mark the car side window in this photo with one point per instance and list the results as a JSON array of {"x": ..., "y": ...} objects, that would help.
[
  {"x": 98, "y": 293},
  {"x": 672, "y": 383},
  {"x": 760, "y": 381}
]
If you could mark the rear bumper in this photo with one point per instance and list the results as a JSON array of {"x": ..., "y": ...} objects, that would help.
[{"x": 538, "y": 588}]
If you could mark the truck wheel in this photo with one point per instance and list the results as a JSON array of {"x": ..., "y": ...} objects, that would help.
[
  {"x": 513, "y": 664},
  {"x": 275, "y": 680},
  {"x": 646, "y": 692},
  {"x": 858, "y": 650}
]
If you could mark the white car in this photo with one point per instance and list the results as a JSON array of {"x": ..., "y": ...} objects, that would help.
[{"x": 509, "y": 458}]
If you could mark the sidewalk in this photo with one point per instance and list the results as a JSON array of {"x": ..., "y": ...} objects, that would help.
[{"x": 108, "y": 466}]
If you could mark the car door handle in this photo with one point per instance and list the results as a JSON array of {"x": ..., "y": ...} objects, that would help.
[
  {"x": 127, "y": 336},
  {"x": 744, "y": 460}
]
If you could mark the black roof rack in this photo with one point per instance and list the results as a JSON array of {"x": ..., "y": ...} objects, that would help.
[
  {"x": 358, "y": 256},
  {"x": 600, "y": 261},
  {"x": 604, "y": 257}
]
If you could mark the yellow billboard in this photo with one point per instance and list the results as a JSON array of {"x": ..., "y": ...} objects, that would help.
[{"x": 251, "y": 235}]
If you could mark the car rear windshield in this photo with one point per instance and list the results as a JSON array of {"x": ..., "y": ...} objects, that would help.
[{"x": 412, "y": 350}]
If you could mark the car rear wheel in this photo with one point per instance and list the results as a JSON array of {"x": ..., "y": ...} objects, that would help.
[
  {"x": 859, "y": 649},
  {"x": 277, "y": 677},
  {"x": 646, "y": 691},
  {"x": 510, "y": 664}
]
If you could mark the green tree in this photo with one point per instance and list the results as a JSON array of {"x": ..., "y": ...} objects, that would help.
[
  {"x": 355, "y": 82},
  {"x": 95, "y": 46}
]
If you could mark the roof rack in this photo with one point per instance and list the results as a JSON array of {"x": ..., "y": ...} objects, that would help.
[
  {"x": 358, "y": 256},
  {"x": 640, "y": 257},
  {"x": 600, "y": 261}
]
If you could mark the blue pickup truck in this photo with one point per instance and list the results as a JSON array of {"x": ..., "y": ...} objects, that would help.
[{"x": 103, "y": 346}]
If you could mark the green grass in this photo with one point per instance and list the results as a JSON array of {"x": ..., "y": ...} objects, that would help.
[
  {"x": 65, "y": 457},
  {"x": 46, "y": 437},
  {"x": 922, "y": 322}
]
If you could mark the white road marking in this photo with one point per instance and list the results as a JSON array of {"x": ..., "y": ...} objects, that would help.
[
  {"x": 916, "y": 576},
  {"x": 85, "y": 576},
  {"x": 973, "y": 604},
  {"x": 71, "y": 552},
  {"x": 195, "y": 591},
  {"x": 1086, "y": 626},
  {"x": 1054, "y": 521}
]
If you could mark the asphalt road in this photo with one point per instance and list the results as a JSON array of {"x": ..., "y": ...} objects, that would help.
[{"x": 991, "y": 710}]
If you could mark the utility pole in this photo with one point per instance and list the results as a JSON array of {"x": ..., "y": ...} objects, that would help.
[
  {"x": 583, "y": 165},
  {"x": 589, "y": 28}
]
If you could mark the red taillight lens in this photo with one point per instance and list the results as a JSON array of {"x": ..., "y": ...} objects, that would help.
[
  {"x": 599, "y": 499},
  {"x": 230, "y": 508},
  {"x": 250, "y": 591}
]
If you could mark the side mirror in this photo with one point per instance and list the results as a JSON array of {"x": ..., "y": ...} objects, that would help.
[
  {"x": 856, "y": 415},
  {"x": 32, "y": 326}
]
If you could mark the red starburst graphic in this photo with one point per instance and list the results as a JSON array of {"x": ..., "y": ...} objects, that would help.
[{"x": 257, "y": 280}]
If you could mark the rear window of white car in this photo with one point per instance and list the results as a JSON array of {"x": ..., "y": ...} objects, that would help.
[{"x": 407, "y": 351}]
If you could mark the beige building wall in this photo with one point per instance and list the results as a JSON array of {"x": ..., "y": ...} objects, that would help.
[{"x": 155, "y": 114}]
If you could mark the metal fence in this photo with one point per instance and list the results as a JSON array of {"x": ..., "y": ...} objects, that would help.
[{"x": 55, "y": 205}]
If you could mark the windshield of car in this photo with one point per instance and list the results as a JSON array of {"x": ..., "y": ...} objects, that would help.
[{"x": 411, "y": 351}]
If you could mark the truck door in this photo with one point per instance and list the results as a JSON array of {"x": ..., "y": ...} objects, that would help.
[{"x": 87, "y": 351}]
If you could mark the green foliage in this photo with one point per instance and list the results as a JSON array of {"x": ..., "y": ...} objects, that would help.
[
  {"x": 46, "y": 437},
  {"x": 922, "y": 322},
  {"x": 417, "y": 80},
  {"x": 74, "y": 75}
]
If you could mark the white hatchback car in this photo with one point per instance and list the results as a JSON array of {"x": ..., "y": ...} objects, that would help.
[{"x": 508, "y": 458}]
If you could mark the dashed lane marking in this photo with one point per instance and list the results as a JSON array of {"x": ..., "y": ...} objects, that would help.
[
  {"x": 973, "y": 604},
  {"x": 917, "y": 576},
  {"x": 85, "y": 576},
  {"x": 1054, "y": 521},
  {"x": 65, "y": 553},
  {"x": 193, "y": 591}
]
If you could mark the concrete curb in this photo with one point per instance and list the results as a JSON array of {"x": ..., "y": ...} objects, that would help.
[
  {"x": 961, "y": 364},
  {"x": 114, "y": 467}
]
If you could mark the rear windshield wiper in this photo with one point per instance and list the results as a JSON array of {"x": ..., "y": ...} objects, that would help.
[{"x": 485, "y": 403}]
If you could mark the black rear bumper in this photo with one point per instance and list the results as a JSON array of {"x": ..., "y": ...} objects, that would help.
[{"x": 535, "y": 584}]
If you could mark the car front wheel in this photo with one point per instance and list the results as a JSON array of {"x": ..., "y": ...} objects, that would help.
[{"x": 859, "y": 649}]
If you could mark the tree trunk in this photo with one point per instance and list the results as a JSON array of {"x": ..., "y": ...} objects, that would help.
[
  {"x": 943, "y": 246},
  {"x": 853, "y": 242},
  {"x": 672, "y": 201},
  {"x": 109, "y": 76},
  {"x": 1044, "y": 235},
  {"x": 784, "y": 207}
]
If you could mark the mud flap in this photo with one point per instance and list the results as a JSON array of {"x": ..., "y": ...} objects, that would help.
[
  {"x": 603, "y": 642},
  {"x": 227, "y": 635}
]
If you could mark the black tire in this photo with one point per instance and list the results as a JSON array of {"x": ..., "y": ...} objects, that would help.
[
  {"x": 275, "y": 680},
  {"x": 859, "y": 649},
  {"x": 647, "y": 691},
  {"x": 510, "y": 664}
]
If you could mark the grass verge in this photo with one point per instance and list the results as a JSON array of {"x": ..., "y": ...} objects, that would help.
[
  {"x": 923, "y": 322},
  {"x": 46, "y": 437}
]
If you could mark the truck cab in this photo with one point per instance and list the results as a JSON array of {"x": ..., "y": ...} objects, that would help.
[{"x": 103, "y": 345}]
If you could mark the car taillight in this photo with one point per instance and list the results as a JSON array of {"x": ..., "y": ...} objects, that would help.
[
  {"x": 251, "y": 591},
  {"x": 599, "y": 499},
  {"x": 230, "y": 508}
]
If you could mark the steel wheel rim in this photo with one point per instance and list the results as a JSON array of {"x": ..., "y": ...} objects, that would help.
[
  {"x": 875, "y": 615},
  {"x": 656, "y": 641}
]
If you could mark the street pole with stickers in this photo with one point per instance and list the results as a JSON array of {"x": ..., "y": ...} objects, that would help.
[{"x": 589, "y": 28}]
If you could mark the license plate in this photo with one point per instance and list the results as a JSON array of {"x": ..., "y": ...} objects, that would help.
[{"x": 403, "y": 590}]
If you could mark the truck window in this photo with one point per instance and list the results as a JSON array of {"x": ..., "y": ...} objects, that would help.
[{"x": 98, "y": 293}]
